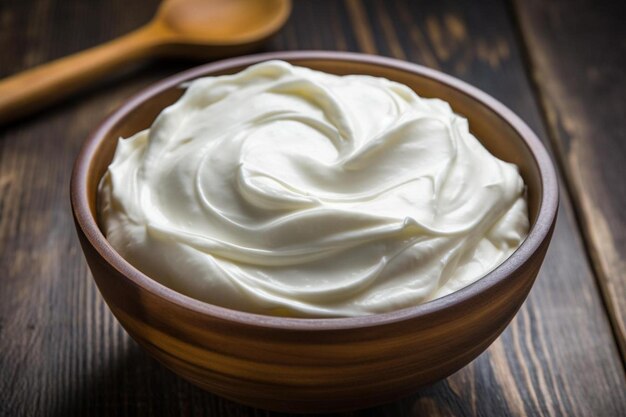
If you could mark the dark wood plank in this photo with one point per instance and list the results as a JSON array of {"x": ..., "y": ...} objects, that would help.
[
  {"x": 62, "y": 353},
  {"x": 578, "y": 54}
]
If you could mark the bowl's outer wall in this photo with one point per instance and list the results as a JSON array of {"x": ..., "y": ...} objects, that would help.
[{"x": 318, "y": 369}]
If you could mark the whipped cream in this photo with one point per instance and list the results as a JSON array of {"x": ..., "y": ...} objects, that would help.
[{"x": 286, "y": 191}]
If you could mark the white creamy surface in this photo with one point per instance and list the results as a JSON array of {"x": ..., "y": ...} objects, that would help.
[{"x": 286, "y": 191}]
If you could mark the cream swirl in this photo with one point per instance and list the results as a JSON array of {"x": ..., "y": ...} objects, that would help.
[{"x": 287, "y": 191}]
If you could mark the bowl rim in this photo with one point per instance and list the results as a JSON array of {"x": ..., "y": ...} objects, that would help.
[{"x": 539, "y": 231}]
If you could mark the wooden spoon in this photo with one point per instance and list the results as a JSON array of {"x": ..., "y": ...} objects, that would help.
[{"x": 197, "y": 28}]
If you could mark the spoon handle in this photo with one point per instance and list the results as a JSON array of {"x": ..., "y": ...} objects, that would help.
[{"x": 38, "y": 87}]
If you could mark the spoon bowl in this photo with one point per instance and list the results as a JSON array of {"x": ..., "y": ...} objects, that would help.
[{"x": 225, "y": 22}]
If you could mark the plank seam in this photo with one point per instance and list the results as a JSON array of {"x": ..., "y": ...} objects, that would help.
[{"x": 541, "y": 100}]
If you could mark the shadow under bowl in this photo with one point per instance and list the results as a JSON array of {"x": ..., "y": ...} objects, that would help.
[{"x": 319, "y": 365}]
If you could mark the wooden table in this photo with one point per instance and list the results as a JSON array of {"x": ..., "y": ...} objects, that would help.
[{"x": 559, "y": 64}]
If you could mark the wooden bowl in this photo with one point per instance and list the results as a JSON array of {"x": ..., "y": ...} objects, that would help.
[{"x": 318, "y": 365}]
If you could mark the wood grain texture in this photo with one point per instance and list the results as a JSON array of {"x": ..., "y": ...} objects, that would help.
[
  {"x": 578, "y": 53},
  {"x": 63, "y": 354}
]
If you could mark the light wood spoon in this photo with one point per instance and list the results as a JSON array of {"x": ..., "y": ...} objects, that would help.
[{"x": 197, "y": 28}]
